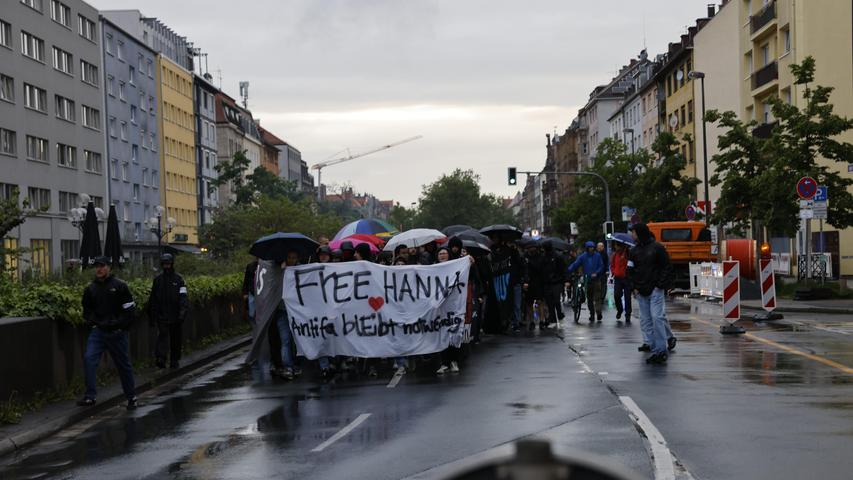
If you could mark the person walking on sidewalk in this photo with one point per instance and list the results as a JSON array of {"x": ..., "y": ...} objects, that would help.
[
  {"x": 621, "y": 284},
  {"x": 555, "y": 278},
  {"x": 168, "y": 305},
  {"x": 602, "y": 250},
  {"x": 593, "y": 268},
  {"x": 650, "y": 273},
  {"x": 108, "y": 307}
]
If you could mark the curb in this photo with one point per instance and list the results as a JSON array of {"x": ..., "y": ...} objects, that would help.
[
  {"x": 23, "y": 439},
  {"x": 824, "y": 310}
]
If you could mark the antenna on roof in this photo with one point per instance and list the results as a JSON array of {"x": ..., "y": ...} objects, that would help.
[
  {"x": 219, "y": 74},
  {"x": 244, "y": 92}
]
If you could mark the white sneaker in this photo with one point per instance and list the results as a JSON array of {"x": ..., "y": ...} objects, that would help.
[
  {"x": 401, "y": 370},
  {"x": 454, "y": 368},
  {"x": 442, "y": 370}
]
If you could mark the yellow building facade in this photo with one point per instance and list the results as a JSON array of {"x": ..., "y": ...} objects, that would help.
[
  {"x": 773, "y": 36},
  {"x": 177, "y": 150},
  {"x": 676, "y": 87}
]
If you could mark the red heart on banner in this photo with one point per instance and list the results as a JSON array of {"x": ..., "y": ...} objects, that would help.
[{"x": 376, "y": 303}]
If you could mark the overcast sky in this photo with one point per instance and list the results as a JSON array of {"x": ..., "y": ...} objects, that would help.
[{"x": 482, "y": 80}]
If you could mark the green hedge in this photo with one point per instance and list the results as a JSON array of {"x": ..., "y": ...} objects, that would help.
[{"x": 63, "y": 302}]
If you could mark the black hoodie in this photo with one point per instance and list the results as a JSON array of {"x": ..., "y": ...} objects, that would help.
[{"x": 648, "y": 263}]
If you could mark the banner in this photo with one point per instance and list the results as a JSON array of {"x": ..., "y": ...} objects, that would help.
[{"x": 361, "y": 309}]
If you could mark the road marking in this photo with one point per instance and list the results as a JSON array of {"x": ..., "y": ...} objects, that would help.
[
  {"x": 664, "y": 465},
  {"x": 792, "y": 350},
  {"x": 395, "y": 380},
  {"x": 342, "y": 433}
]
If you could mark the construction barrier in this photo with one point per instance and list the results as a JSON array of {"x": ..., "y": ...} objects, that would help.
[
  {"x": 695, "y": 272},
  {"x": 706, "y": 279},
  {"x": 768, "y": 286},
  {"x": 731, "y": 290}
]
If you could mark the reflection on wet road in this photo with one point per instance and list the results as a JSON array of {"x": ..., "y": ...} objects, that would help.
[{"x": 757, "y": 406}]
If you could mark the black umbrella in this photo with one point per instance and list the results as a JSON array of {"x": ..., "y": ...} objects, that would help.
[
  {"x": 112, "y": 243},
  {"x": 276, "y": 246},
  {"x": 475, "y": 248},
  {"x": 454, "y": 229},
  {"x": 557, "y": 243},
  {"x": 473, "y": 235},
  {"x": 90, "y": 246},
  {"x": 506, "y": 231}
]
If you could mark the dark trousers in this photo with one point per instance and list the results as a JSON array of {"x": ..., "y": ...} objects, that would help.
[
  {"x": 115, "y": 343},
  {"x": 169, "y": 340},
  {"x": 552, "y": 302},
  {"x": 450, "y": 354},
  {"x": 622, "y": 295}
]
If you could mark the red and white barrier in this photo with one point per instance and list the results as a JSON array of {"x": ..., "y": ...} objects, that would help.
[
  {"x": 731, "y": 290},
  {"x": 768, "y": 286}
]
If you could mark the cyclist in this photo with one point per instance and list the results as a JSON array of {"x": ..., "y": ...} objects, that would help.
[{"x": 593, "y": 269}]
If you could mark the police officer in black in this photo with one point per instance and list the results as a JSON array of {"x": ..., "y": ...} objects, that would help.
[
  {"x": 168, "y": 306},
  {"x": 108, "y": 307}
]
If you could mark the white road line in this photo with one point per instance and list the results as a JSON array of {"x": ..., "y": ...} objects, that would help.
[
  {"x": 664, "y": 465},
  {"x": 342, "y": 433},
  {"x": 395, "y": 380}
]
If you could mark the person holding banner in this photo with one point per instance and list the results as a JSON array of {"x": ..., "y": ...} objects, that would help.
[
  {"x": 289, "y": 370},
  {"x": 450, "y": 356}
]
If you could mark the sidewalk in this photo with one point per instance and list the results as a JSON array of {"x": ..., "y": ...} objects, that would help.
[
  {"x": 837, "y": 307},
  {"x": 41, "y": 424}
]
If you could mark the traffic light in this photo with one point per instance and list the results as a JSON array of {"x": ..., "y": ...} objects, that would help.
[
  {"x": 608, "y": 230},
  {"x": 511, "y": 174},
  {"x": 765, "y": 251}
]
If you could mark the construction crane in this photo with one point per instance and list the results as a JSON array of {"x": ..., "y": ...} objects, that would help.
[{"x": 327, "y": 163}]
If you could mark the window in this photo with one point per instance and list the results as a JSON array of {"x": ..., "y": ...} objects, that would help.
[
  {"x": 134, "y": 153},
  {"x": 786, "y": 38},
  {"x": 70, "y": 250},
  {"x": 676, "y": 235},
  {"x": 7, "y": 191},
  {"x": 123, "y": 131},
  {"x": 39, "y": 198},
  {"x": 37, "y": 148},
  {"x": 11, "y": 260},
  {"x": 114, "y": 169},
  {"x": 98, "y": 201},
  {"x": 109, "y": 43},
  {"x": 40, "y": 255},
  {"x": 152, "y": 107},
  {"x": 765, "y": 54},
  {"x": 66, "y": 155},
  {"x": 5, "y": 34},
  {"x": 683, "y": 117},
  {"x": 111, "y": 85},
  {"x": 87, "y": 28},
  {"x": 150, "y": 69},
  {"x": 7, "y": 88},
  {"x": 767, "y": 111},
  {"x": 88, "y": 73},
  {"x": 67, "y": 201},
  {"x": 65, "y": 108},
  {"x": 126, "y": 213},
  {"x": 145, "y": 177},
  {"x": 142, "y": 101},
  {"x": 690, "y": 110},
  {"x": 152, "y": 144},
  {"x": 155, "y": 178},
  {"x": 35, "y": 98},
  {"x": 91, "y": 117},
  {"x": 787, "y": 95},
  {"x": 32, "y": 46},
  {"x": 113, "y": 127},
  {"x": 63, "y": 61},
  {"x": 132, "y": 75},
  {"x": 124, "y": 171},
  {"x": 668, "y": 85},
  {"x": 60, "y": 13},
  {"x": 94, "y": 162},
  {"x": 136, "y": 192},
  {"x": 132, "y": 114},
  {"x": 140, "y": 64},
  {"x": 121, "y": 91},
  {"x": 34, "y": 4},
  {"x": 120, "y": 50},
  {"x": 8, "y": 142},
  {"x": 749, "y": 66}
]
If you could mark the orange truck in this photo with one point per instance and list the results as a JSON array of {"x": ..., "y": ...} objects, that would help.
[{"x": 686, "y": 243}]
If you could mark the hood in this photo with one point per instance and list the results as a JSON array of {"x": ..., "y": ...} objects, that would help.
[
  {"x": 589, "y": 244},
  {"x": 643, "y": 233}
]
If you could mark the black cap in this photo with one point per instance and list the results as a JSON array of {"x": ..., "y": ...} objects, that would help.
[
  {"x": 102, "y": 260},
  {"x": 337, "y": 252},
  {"x": 324, "y": 250},
  {"x": 347, "y": 246},
  {"x": 167, "y": 258}
]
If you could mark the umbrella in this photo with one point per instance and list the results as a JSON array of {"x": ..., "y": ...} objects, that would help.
[
  {"x": 454, "y": 229},
  {"x": 112, "y": 243},
  {"x": 557, "y": 243},
  {"x": 475, "y": 248},
  {"x": 624, "y": 238},
  {"x": 370, "y": 226},
  {"x": 474, "y": 236},
  {"x": 502, "y": 230},
  {"x": 364, "y": 237},
  {"x": 276, "y": 246},
  {"x": 336, "y": 244},
  {"x": 416, "y": 237},
  {"x": 90, "y": 246}
]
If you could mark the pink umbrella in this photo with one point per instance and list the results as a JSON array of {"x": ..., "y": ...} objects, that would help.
[{"x": 336, "y": 244}]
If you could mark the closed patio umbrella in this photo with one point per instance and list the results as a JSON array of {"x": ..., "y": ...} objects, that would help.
[
  {"x": 90, "y": 246},
  {"x": 112, "y": 243}
]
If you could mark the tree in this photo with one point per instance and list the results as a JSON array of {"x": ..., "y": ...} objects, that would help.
[
  {"x": 402, "y": 217},
  {"x": 247, "y": 188},
  {"x": 265, "y": 183},
  {"x": 456, "y": 199},
  {"x": 13, "y": 214},
  {"x": 662, "y": 191},
  {"x": 758, "y": 175},
  {"x": 233, "y": 172}
]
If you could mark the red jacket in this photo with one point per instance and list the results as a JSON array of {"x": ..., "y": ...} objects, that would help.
[{"x": 619, "y": 264}]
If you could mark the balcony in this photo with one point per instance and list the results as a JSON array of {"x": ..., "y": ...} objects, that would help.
[
  {"x": 764, "y": 130},
  {"x": 763, "y": 17},
  {"x": 765, "y": 75}
]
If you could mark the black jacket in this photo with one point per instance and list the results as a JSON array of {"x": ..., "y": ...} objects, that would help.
[
  {"x": 535, "y": 276},
  {"x": 554, "y": 270},
  {"x": 649, "y": 267},
  {"x": 108, "y": 304},
  {"x": 249, "y": 278},
  {"x": 168, "y": 302}
]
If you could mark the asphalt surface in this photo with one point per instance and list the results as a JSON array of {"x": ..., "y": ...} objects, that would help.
[{"x": 777, "y": 403}]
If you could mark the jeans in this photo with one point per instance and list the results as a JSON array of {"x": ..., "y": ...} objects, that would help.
[
  {"x": 116, "y": 343},
  {"x": 325, "y": 362},
  {"x": 593, "y": 296},
  {"x": 622, "y": 296},
  {"x": 653, "y": 319},
  {"x": 251, "y": 309},
  {"x": 283, "y": 324},
  {"x": 168, "y": 342},
  {"x": 516, "y": 302}
]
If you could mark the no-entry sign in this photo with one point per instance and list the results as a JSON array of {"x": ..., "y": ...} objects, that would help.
[{"x": 806, "y": 188}]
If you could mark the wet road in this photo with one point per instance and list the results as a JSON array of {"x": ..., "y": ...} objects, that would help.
[{"x": 775, "y": 404}]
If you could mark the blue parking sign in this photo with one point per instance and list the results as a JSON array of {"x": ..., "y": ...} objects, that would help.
[{"x": 822, "y": 194}]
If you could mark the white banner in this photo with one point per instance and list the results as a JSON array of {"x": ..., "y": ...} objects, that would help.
[{"x": 361, "y": 309}]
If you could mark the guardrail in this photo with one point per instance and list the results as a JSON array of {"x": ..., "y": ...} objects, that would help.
[{"x": 706, "y": 280}]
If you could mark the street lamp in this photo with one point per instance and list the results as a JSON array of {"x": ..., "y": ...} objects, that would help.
[
  {"x": 701, "y": 77},
  {"x": 155, "y": 226},
  {"x": 631, "y": 131}
]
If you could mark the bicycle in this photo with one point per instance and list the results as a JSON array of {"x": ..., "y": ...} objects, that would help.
[{"x": 578, "y": 295}]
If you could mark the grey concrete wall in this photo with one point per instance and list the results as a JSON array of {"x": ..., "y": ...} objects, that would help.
[
  {"x": 17, "y": 169},
  {"x": 204, "y": 96},
  {"x": 52, "y": 354}
]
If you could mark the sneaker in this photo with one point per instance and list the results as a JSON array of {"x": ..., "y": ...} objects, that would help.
[
  {"x": 644, "y": 348},
  {"x": 618, "y": 315},
  {"x": 657, "y": 358},
  {"x": 287, "y": 373},
  {"x": 516, "y": 329},
  {"x": 592, "y": 319},
  {"x": 670, "y": 343},
  {"x": 401, "y": 370},
  {"x": 560, "y": 315},
  {"x": 454, "y": 368},
  {"x": 297, "y": 371},
  {"x": 132, "y": 404},
  {"x": 86, "y": 402},
  {"x": 627, "y": 318},
  {"x": 442, "y": 370},
  {"x": 600, "y": 316}
]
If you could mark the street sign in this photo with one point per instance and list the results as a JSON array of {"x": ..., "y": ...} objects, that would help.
[
  {"x": 690, "y": 212},
  {"x": 821, "y": 202},
  {"x": 573, "y": 228},
  {"x": 806, "y": 204},
  {"x": 806, "y": 214},
  {"x": 822, "y": 194},
  {"x": 820, "y": 210},
  {"x": 806, "y": 188},
  {"x": 627, "y": 213}
]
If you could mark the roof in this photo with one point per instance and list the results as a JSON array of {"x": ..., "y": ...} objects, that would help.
[{"x": 269, "y": 138}]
